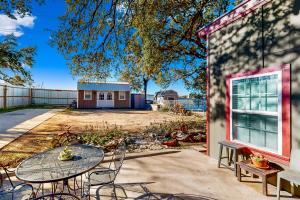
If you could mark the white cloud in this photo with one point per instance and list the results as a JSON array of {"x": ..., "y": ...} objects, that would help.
[{"x": 14, "y": 26}]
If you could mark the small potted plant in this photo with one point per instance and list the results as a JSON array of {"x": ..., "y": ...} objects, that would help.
[
  {"x": 66, "y": 154},
  {"x": 259, "y": 161}
]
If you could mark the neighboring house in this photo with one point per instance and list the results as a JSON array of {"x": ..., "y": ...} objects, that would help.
[
  {"x": 103, "y": 95},
  {"x": 160, "y": 96},
  {"x": 253, "y": 88}
]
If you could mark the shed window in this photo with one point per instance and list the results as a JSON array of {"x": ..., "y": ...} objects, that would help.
[
  {"x": 109, "y": 96},
  {"x": 122, "y": 95},
  {"x": 101, "y": 96},
  {"x": 87, "y": 95},
  {"x": 255, "y": 112}
]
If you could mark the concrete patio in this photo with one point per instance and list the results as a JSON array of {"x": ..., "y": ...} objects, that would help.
[
  {"x": 16, "y": 123},
  {"x": 187, "y": 174}
]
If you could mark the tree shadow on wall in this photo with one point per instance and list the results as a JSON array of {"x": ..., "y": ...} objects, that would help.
[{"x": 265, "y": 37}]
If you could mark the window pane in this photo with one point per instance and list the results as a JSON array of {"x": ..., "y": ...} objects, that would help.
[
  {"x": 271, "y": 141},
  {"x": 254, "y": 86},
  {"x": 262, "y": 86},
  {"x": 271, "y": 124},
  {"x": 242, "y": 134},
  {"x": 255, "y": 102},
  {"x": 272, "y": 87},
  {"x": 258, "y": 130},
  {"x": 101, "y": 96},
  {"x": 272, "y": 104},
  {"x": 257, "y": 138},
  {"x": 109, "y": 96}
]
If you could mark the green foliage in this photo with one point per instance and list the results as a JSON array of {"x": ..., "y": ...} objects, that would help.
[
  {"x": 100, "y": 137},
  {"x": 22, "y": 7},
  {"x": 13, "y": 61},
  {"x": 142, "y": 39}
]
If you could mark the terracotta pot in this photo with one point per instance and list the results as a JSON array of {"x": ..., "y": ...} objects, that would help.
[
  {"x": 171, "y": 143},
  {"x": 260, "y": 163}
]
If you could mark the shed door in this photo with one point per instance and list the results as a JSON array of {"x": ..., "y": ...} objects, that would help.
[{"x": 105, "y": 99}]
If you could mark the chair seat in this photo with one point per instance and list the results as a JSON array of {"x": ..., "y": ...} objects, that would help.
[
  {"x": 290, "y": 175},
  {"x": 104, "y": 176}
]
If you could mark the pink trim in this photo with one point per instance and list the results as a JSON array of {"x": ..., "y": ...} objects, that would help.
[
  {"x": 227, "y": 108},
  {"x": 286, "y": 112},
  {"x": 239, "y": 11},
  {"x": 207, "y": 100}
]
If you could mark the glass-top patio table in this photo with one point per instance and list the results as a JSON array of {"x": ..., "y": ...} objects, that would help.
[{"x": 45, "y": 167}]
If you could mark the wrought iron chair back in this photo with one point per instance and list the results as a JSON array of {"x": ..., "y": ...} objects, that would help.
[
  {"x": 119, "y": 156},
  {"x": 12, "y": 190},
  {"x": 6, "y": 173}
]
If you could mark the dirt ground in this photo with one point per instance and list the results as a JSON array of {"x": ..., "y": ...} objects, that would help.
[
  {"x": 39, "y": 138},
  {"x": 131, "y": 120}
]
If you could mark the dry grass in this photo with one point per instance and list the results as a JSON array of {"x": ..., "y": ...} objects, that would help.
[{"x": 39, "y": 139}]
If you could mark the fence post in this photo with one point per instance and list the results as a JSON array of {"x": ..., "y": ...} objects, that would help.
[
  {"x": 30, "y": 96},
  {"x": 5, "y": 96}
]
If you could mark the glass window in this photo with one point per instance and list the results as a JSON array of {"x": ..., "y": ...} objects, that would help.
[
  {"x": 254, "y": 110},
  {"x": 122, "y": 95},
  {"x": 87, "y": 95},
  {"x": 109, "y": 96},
  {"x": 101, "y": 96}
]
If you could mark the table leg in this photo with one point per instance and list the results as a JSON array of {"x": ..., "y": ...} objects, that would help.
[
  {"x": 265, "y": 185},
  {"x": 239, "y": 174}
]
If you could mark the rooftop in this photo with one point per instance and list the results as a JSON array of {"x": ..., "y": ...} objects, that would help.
[
  {"x": 239, "y": 11},
  {"x": 104, "y": 86}
]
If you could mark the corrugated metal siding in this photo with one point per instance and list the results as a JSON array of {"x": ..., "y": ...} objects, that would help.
[
  {"x": 53, "y": 97},
  {"x": 103, "y": 86},
  {"x": 17, "y": 96},
  {"x": 20, "y": 96}
]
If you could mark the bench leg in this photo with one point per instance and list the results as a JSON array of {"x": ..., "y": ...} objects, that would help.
[
  {"x": 235, "y": 161},
  {"x": 292, "y": 189},
  {"x": 220, "y": 155},
  {"x": 227, "y": 155},
  {"x": 239, "y": 173},
  {"x": 231, "y": 156},
  {"x": 278, "y": 187},
  {"x": 265, "y": 185}
]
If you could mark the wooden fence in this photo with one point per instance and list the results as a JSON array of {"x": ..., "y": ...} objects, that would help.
[{"x": 13, "y": 96}]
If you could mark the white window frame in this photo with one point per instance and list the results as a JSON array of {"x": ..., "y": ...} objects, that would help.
[
  {"x": 124, "y": 94},
  {"x": 91, "y": 94},
  {"x": 268, "y": 113}
]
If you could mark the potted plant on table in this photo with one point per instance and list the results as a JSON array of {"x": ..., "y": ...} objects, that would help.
[
  {"x": 259, "y": 161},
  {"x": 66, "y": 154}
]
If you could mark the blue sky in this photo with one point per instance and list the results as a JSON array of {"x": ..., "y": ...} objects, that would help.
[{"x": 50, "y": 69}]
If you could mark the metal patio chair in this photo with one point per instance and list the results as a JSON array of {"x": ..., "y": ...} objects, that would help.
[
  {"x": 291, "y": 174},
  {"x": 58, "y": 196},
  {"x": 105, "y": 176},
  {"x": 11, "y": 191}
]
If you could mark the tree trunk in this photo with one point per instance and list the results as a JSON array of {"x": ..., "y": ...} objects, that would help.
[{"x": 145, "y": 82}]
